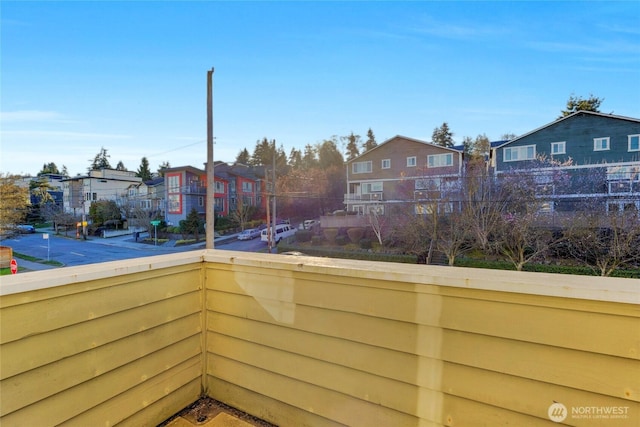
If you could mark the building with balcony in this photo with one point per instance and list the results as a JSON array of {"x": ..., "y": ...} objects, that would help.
[
  {"x": 586, "y": 156},
  {"x": 186, "y": 189},
  {"x": 302, "y": 341},
  {"x": 400, "y": 170}
]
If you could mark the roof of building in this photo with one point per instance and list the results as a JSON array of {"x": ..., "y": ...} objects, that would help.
[
  {"x": 454, "y": 149},
  {"x": 568, "y": 117}
]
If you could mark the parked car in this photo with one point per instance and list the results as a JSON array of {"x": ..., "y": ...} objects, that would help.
[
  {"x": 282, "y": 231},
  {"x": 308, "y": 224},
  {"x": 249, "y": 234},
  {"x": 26, "y": 228}
]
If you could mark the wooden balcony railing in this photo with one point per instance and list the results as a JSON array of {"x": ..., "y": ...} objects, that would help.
[{"x": 303, "y": 341}]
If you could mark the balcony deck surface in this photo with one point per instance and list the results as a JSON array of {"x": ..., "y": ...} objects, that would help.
[{"x": 207, "y": 412}]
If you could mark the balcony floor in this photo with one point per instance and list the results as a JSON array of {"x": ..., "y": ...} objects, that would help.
[{"x": 208, "y": 412}]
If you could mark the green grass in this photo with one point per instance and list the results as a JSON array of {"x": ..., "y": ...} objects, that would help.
[
  {"x": 6, "y": 271},
  {"x": 39, "y": 260}
]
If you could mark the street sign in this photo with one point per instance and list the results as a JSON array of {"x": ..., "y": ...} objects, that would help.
[
  {"x": 14, "y": 266},
  {"x": 155, "y": 223},
  {"x": 45, "y": 236}
]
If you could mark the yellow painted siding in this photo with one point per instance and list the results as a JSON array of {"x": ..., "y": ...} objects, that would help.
[
  {"x": 102, "y": 351},
  {"x": 314, "y": 342},
  {"x": 357, "y": 343}
]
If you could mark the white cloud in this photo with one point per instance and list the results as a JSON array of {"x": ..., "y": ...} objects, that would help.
[
  {"x": 29, "y": 116},
  {"x": 55, "y": 135}
]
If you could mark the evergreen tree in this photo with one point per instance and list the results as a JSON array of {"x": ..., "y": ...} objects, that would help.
[
  {"x": 295, "y": 158},
  {"x": 64, "y": 172},
  {"x": 143, "y": 170},
  {"x": 481, "y": 146},
  {"x": 580, "y": 104},
  {"x": 443, "y": 136},
  {"x": 467, "y": 144},
  {"x": 162, "y": 167},
  {"x": 353, "y": 145},
  {"x": 101, "y": 161},
  {"x": 309, "y": 158},
  {"x": 243, "y": 157},
  {"x": 193, "y": 224},
  {"x": 329, "y": 155},
  {"x": 370, "y": 142},
  {"x": 120, "y": 166},
  {"x": 49, "y": 168},
  {"x": 263, "y": 152}
]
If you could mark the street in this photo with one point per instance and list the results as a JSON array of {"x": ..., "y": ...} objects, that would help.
[{"x": 71, "y": 251}]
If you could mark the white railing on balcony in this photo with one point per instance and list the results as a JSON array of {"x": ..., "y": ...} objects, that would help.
[{"x": 367, "y": 197}]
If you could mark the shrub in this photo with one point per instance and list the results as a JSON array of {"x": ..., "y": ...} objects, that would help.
[
  {"x": 366, "y": 244},
  {"x": 330, "y": 234},
  {"x": 316, "y": 240},
  {"x": 304, "y": 235},
  {"x": 355, "y": 234},
  {"x": 341, "y": 240}
]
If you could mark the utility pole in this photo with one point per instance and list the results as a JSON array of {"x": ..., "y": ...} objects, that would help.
[
  {"x": 275, "y": 217},
  {"x": 269, "y": 228},
  {"x": 211, "y": 192}
]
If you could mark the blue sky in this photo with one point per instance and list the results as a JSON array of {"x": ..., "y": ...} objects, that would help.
[{"x": 131, "y": 76}]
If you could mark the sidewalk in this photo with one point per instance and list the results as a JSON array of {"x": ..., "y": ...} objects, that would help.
[{"x": 32, "y": 265}]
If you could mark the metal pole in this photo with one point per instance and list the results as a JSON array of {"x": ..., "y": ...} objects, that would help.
[{"x": 211, "y": 194}]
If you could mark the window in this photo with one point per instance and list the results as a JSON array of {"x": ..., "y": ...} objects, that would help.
[
  {"x": 200, "y": 201},
  {"x": 600, "y": 144},
  {"x": 371, "y": 187},
  {"x": 174, "y": 203},
  {"x": 516, "y": 154},
  {"x": 247, "y": 187},
  {"x": 634, "y": 142},
  {"x": 411, "y": 162},
  {"x": 173, "y": 184},
  {"x": 219, "y": 187},
  {"x": 361, "y": 167},
  {"x": 219, "y": 204},
  {"x": 440, "y": 160},
  {"x": 386, "y": 163},
  {"x": 558, "y": 148}
]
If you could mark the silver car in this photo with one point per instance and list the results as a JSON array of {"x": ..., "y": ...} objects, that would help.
[{"x": 249, "y": 234}]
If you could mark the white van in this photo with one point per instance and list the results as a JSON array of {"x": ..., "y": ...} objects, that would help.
[{"x": 282, "y": 231}]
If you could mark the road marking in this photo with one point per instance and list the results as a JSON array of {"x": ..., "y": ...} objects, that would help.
[{"x": 76, "y": 253}]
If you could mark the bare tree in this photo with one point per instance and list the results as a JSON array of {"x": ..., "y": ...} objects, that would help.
[
  {"x": 522, "y": 235},
  {"x": 482, "y": 205},
  {"x": 243, "y": 212},
  {"x": 453, "y": 234},
  {"x": 605, "y": 241},
  {"x": 378, "y": 222}
]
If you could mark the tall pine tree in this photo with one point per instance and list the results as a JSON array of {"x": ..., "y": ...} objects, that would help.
[{"x": 143, "y": 170}]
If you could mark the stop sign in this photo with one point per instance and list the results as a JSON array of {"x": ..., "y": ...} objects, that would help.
[{"x": 14, "y": 266}]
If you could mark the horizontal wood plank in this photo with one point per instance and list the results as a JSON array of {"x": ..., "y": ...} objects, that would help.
[{"x": 25, "y": 354}]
